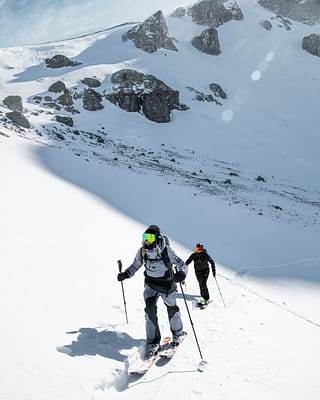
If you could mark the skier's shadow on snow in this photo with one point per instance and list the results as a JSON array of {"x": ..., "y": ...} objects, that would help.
[
  {"x": 188, "y": 297},
  {"x": 105, "y": 343}
]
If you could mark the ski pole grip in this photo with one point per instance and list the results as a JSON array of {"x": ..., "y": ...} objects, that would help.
[{"x": 120, "y": 265}]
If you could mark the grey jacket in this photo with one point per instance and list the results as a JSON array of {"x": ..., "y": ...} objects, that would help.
[{"x": 154, "y": 264}]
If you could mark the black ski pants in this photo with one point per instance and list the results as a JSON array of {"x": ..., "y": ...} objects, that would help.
[
  {"x": 202, "y": 277},
  {"x": 151, "y": 298}
]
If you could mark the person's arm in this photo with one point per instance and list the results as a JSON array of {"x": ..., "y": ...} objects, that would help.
[
  {"x": 190, "y": 259},
  {"x": 133, "y": 268},
  {"x": 213, "y": 265},
  {"x": 181, "y": 267}
]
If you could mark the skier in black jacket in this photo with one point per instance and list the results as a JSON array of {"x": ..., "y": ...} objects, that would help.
[{"x": 201, "y": 261}]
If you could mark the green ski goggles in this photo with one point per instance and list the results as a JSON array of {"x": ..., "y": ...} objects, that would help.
[{"x": 149, "y": 237}]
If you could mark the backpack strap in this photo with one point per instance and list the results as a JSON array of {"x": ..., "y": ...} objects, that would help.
[
  {"x": 143, "y": 255},
  {"x": 166, "y": 260},
  {"x": 164, "y": 257}
]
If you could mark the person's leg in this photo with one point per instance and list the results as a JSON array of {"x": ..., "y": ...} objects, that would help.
[
  {"x": 175, "y": 321},
  {"x": 202, "y": 277},
  {"x": 152, "y": 327}
]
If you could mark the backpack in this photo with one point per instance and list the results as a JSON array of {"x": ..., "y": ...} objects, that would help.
[{"x": 166, "y": 281}]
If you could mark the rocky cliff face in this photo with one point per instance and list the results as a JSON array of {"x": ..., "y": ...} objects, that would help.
[{"x": 151, "y": 35}]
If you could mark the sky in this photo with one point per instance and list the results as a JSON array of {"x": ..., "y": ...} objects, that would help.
[
  {"x": 24, "y": 22},
  {"x": 70, "y": 209}
]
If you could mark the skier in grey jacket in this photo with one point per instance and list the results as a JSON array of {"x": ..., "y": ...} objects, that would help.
[{"x": 160, "y": 281}]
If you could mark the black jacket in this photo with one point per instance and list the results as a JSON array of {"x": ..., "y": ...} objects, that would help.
[{"x": 201, "y": 261}]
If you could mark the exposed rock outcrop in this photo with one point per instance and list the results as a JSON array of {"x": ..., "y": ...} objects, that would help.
[
  {"x": 57, "y": 87},
  {"x": 19, "y": 119},
  {"x": 306, "y": 11},
  {"x": 151, "y": 35},
  {"x": 14, "y": 103},
  {"x": 64, "y": 120},
  {"x": 92, "y": 100},
  {"x": 137, "y": 92},
  {"x": 217, "y": 90},
  {"x": 59, "y": 61},
  {"x": 266, "y": 24},
  {"x": 311, "y": 44},
  {"x": 179, "y": 12},
  {"x": 207, "y": 42},
  {"x": 282, "y": 22},
  {"x": 215, "y": 12},
  {"x": 65, "y": 99},
  {"x": 91, "y": 82}
]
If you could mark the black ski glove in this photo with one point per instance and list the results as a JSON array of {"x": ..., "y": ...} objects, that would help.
[
  {"x": 179, "y": 276},
  {"x": 123, "y": 275},
  {"x": 214, "y": 271}
]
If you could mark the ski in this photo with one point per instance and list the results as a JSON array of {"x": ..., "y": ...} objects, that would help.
[
  {"x": 139, "y": 366},
  {"x": 169, "y": 350},
  {"x": 199, "y": 304}
]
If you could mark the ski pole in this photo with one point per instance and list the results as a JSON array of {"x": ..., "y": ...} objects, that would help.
[
  {"x": 220, "y": 292},
  {"x": 124, "y": 299},
  {"x": 191, "y": 322}
]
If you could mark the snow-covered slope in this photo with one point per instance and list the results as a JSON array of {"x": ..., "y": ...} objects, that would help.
[
  {"x": 71, "y": 208},
  {"x": 63, "y": 330},
  {"x": 265, "y": 128}
]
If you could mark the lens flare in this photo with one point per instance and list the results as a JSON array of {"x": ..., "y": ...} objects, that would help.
[
  {"x": 256, "y": 75},
  {"x": 227, "y": 115}
]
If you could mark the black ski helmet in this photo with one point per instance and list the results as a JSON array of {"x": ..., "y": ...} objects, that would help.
[{"x": 155, "y": 230}]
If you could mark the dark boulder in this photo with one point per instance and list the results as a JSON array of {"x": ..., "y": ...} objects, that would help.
[
  {"x": 151, "y": 35},
  {"x": 14, "y": 103},
  {"x": 92, "y": 100},
  {"x": 59, "y": 61},
  {"x": 311, "y": 44},
  {"x": 266, "y": 24},
  {"x": 57, "y": 87},
  {"x": 179, "y": 12},
  {"x": 18, "y": 119},
  {"x": 217, "y": 90},
  {"x": 207, "y": 42},
  {"x": 65, "y": 99},
  {"x": 136, "y": 92},
  {"x": 91, "y": 82},
  {"x": 64, "y": 120},
  {"x": 214, "y": 13},
  {"x": 127, "y": 101}
]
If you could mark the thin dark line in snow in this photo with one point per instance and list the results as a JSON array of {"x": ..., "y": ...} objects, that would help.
[{"x": 270, "y": 301}]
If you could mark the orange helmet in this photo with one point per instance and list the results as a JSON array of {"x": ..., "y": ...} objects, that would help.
[{"x": 199, "y": 248}]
